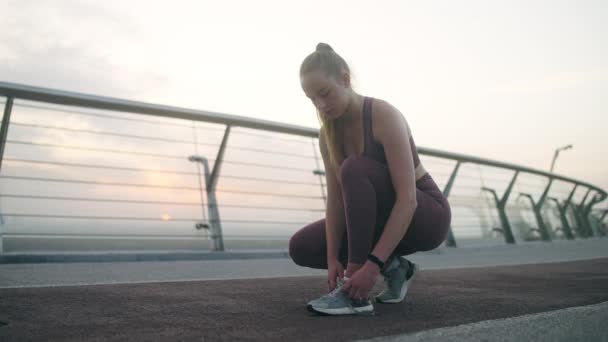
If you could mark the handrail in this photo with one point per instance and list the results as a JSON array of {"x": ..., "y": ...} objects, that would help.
[
  {"x": 504, "y": 165},
  {"x": 26, "y": 92}
]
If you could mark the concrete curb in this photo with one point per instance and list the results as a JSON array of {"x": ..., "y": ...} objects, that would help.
[
  {"x": 248, "y": 254},
  {"x": 34, "y": 258}
]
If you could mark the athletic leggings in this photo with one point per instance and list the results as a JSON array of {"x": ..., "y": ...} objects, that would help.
[{"x": 369, "y": 196}]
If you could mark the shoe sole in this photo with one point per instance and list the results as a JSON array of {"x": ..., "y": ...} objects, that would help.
[
  {"x": 403, "y": 290},
  {"x": 341, "y": 311}
]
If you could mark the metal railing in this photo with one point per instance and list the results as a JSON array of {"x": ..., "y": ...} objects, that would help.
[{"x": 555, "y": 202}]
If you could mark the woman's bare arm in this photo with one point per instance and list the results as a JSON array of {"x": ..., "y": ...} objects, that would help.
[{"x": 395, "y": 137}]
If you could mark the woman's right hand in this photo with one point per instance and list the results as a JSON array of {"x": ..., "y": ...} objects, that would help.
[{"x": 335, "y": 270}]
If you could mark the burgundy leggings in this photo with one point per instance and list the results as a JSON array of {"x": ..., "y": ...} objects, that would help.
[{"x": 369, "y": 196}]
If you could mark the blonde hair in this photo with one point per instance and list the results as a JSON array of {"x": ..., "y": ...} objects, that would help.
[{"x": 325, "y": 59}]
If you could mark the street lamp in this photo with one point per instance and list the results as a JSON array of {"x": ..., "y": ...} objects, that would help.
[{"x": 556, "y": 153}]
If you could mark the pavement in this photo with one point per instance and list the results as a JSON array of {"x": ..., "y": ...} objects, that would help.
[{"x": 528, "y": 292}]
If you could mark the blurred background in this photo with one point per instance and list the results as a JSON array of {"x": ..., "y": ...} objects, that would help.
[{"x": 516, "y": 82}]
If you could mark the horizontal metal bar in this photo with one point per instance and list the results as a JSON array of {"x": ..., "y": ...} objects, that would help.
[
  {"x": 238, "y": 148},
  {"x": 113, "y": 117},
  {"x": 261, "y": 221},
  {"x": 269, "y": 208},
  {"x": 153, "y": 138},
  {"x": 154, "y": 202},
  {"x": 504, "y": 165},
  {"x": 275, "y": 180},
  {"x": 125, "y": 218},
  {"x": 93, "y": 166},
  {"x": 266, "y": 194},
  {"x": 236, "y": 131},
  {"x": 100, "y": 183},
  {"x": 137, "y": 236},
  {"x": 100, "y": 236},
  {"x": 105, "y": 150},
  {"x": 157, "y": 186},
  {"x": 257, "y": 237},
  {"x": 267, "y": 166},
  {"x": 130, "y": 136},
  {"x": 20, "y": 91},
  {"x": 83, "y": 199},
  {"x": 106, "y": 116},
  {"x": 130, "y": 218},
  {"x": 147, "y": 186},
  {"x": 101, "y": 102}
]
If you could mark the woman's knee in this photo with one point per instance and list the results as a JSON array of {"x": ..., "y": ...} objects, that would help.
[
  {"x": 352, "y": 167},
  {"x": 295, "y": 250},
  {"x": 300, "y": 250},
  {"x": 435, "y": 240}
]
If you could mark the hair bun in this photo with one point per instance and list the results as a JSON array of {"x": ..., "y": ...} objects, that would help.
[{"x": 324, "y": 47}]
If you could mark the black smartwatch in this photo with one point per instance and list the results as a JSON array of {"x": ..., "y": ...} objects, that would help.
[{"x": 375, "y": 260}]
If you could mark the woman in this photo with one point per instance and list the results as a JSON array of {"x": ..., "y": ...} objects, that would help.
[{"x": 381, "y": 203}]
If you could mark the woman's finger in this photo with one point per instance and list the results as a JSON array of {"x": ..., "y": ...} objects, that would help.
[
  {"x": 331, "y": 283},
  {"x": 347, "y": 285},
  {"x": 362, "y": 294},
  {"x": 353, "y": 291}
]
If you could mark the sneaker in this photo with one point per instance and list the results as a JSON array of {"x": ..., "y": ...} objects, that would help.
[
  {"x": 397, "y": 278},
  {"x": 337, "y": 302}
]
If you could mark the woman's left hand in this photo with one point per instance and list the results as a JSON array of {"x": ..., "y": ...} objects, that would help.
[{"x": 360, "y": 284}]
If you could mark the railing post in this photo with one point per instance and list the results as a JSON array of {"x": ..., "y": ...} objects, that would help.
[
  {"x": 542, "y": 229},
  {"x": 587, "y": 213},
  {"x": 601, "y": 222},
  {"x": 214, "y": 213},
  {"x": 583, "y": 218},
  {"x": 539, "y": 207},
  {"x": 579, "y": 221},
  {"x": 567, "y": 203},
  {"x": 536, "y": 207},
  {"x": 451, "y": 241},
  {"x": 210, "y": 184},
  {"x": 563, "y": 210},
  {"x": 6, "y": 119},
  {"x": 562, "y": 216},
  {"x": 501, "y": 205},
  {"x": 1, "y": 231}
]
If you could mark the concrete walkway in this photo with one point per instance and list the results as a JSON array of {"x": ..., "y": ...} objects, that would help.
[
  {"x": 273, "y": 309},
  {"x": 531, "y": 292}
]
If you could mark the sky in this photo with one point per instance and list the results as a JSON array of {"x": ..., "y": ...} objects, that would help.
[{"x": 505, "y": 80}]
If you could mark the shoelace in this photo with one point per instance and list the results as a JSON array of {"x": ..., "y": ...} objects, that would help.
[{"x": 336, "y": 290}]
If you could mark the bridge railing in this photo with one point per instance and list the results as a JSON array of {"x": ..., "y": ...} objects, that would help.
[{"x": 79, "y": 171}]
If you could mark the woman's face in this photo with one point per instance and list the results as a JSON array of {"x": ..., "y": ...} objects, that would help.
[{"x": 328, "y": 95}]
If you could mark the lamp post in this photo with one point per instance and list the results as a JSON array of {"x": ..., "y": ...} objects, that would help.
[{"x": 556, "y": 153}]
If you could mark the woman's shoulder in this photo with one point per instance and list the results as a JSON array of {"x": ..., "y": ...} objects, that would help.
[
  {"x": 387, "y": 115},
  {"x": 381, "y": 105},
  {"x": 385, "y": 110}
]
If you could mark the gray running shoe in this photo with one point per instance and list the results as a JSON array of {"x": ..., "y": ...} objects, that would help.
[
  {"x": 337, "y": 302},
  {"x": 397, "y": 278}
]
